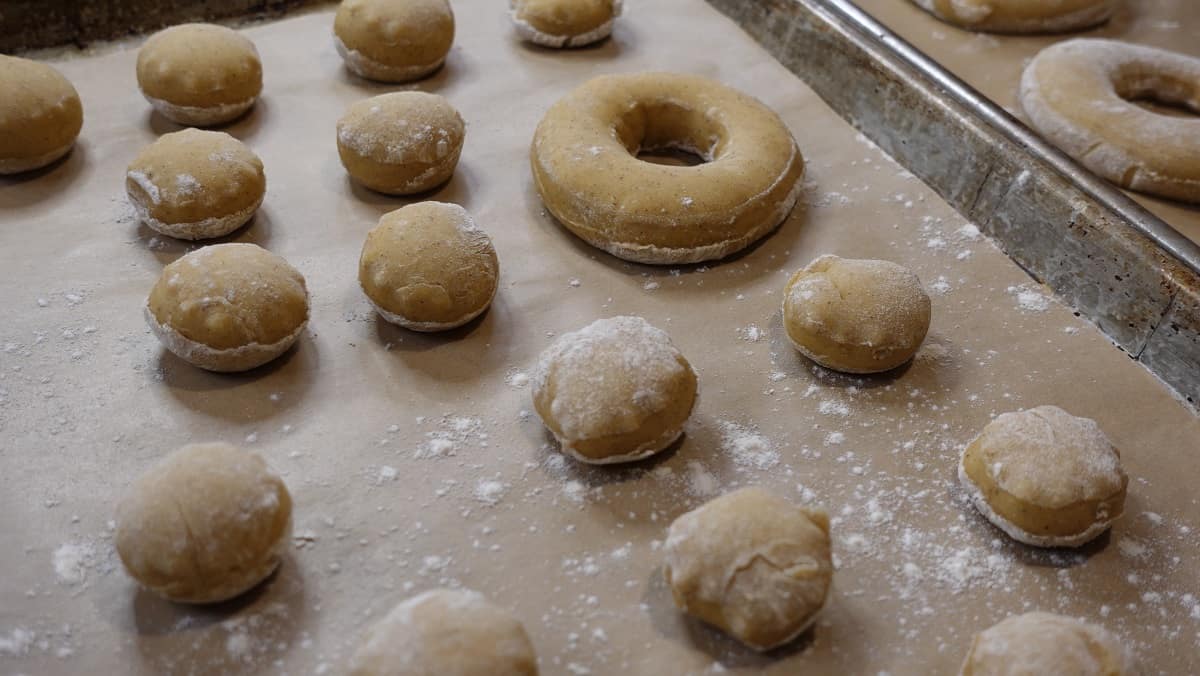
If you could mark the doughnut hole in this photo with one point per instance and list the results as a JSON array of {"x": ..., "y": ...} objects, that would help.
[
  {"x": 1148, "y": 87},
  {"x": 670, "y": 134}
]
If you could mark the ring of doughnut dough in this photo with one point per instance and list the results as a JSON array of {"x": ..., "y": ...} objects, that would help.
[
  {"x": 1077, "y": 94},
  {"x": 1021, "y": 16},
  {"x": 537, "y": 36},
  {"x": 231, "y": 360},
  {"x": 585, "y": 167}
]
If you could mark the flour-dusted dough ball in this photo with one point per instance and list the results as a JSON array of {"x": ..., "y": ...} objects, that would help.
[
  {"x": 564, "y": 23},
  {"x": 616, "y": 390},
  {"x": 428, "y": 267},
  {"x": 446, "y": 632},
  {"x": 195, "y": 184},
  {"x": 228, "y": 307},
  {"x": 393, "y": 40},
  {"x": 40, "y": 115},
  {"x": 1044, "y": 644},
  {"x": 205, "y": 524},
  {"x": 1045, "y": 477},
  {"x": 401, "y": 143},
  {"x": 856, "y": 316},
  {"x": 199, "y": 74},
  {"x": 752, "y": 564}
]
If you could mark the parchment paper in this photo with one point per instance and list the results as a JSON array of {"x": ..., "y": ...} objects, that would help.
[{"x": 88, "y": 400}]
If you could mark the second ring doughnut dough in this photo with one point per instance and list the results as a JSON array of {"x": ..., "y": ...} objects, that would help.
[
  {"x": 585, "y": 167},
  {"x": 616, "y": 390},
  {"x": 564, "y": 23},
  {"x": 856, "y": 316},
  {"x": 1021, "y": 16},
  {"x": 428, "y": 267},
  {"x": 1045, "y": 477},
  {"x": 1045, "y": 643},
  {"x": 401, "y": 143},
  {"x": 393, "y": 40},
  {"x": 40, "y": 115},
  {"x": 752, "y": 564},
  {"x": 228, "y": 307},
  {"x": 1078, "y": 95},
  {"x": 199, "y": 74},
  {"x": 195, "y": 184}
]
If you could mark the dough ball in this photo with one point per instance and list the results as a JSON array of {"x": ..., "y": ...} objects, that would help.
[
  {"x": 393, "y": 40},
  {"x": 448, "y": 633},
  {"x": 401, "y": 143},
  {"x": 199, "y": 74},
  {"x": 1044, "y": 643},
  {"x": 752, "y": 564},
  {"x": 40, "y": 115},
  {"x": 427, "y": 267},
  {"x": 195, "y": 184},
  {"x": 616, "y": 390},
  {"x": 1045, "y": 477},
  {"x": 564, "y": 23},
  {"x": 228, "y": 307},
  {"x": 205, "y": 524},
  {"x": 856, "y": 316}
]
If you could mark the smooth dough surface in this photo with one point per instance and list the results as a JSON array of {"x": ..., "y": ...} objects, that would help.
[
  {"x": 1021, "y": 16},
  {"x": 1041, "y": 644},
  {"x": 401, "y": 143},
  {"x": 752, "y": 564},
  {"x": 1079, "y": 95},
  {"x": 616, "y": 390},
  {"x": 1045, "y": 477},
  {"x": 40, "y": 115},
  {"x": 856, "y": 316},
  {"x": 586, "y": 169},
  {"x": 564, "y": 23},
  {"x": 393, "y": 40},
  {"x": 446, "y": 632},
  {"x": 428, "y": 267},
  {"x": 228, "y": 307},
  {"x": 205, "y": 524},
  {"x": 195, "y": 184},
  {"x": 199, "y": 74}
]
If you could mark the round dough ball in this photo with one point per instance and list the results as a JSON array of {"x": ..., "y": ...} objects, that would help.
[
  {"x": 393, "y": 40},
  {"x": 449, "y": 633},
  {"x": 199, "y": 74},
  {"x": 564, "y": 23},
  {"x": 205, "y": 524},
  {"x": 1045, "y": 643},
  {"x": 1045, "y": 477},
  {"x": 195, "y": 184},
  {"x": 228, "y": 307},
  {"x": 856, "y": 316},
  {"x": 40, "y": 115},
  {"x": 428, "y": 267},
  {"x": 401, "y": 143},
  {"x": 752, "y": 564},
  {"x": 616, "y": 390}
]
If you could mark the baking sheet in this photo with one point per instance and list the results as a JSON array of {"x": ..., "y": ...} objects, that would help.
[
  {"x": 993, "y": 63},
  {"x": 88, "y": 400}
]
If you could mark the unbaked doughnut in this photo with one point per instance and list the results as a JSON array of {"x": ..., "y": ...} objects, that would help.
[
  {"x": 228, "y": 307},
  {"x": 1021, "y": 16},
  {"x": 1045, "y": 477},
  {"x": 40, "y": 115},
  {"x": 752, "y": 564},
  {"x": 401, "y": 143},
  {"x": 393, "y": 40},
  {"x": 564, "y": 23},
  {"x": 428, "y": 267},
  {"x": 447, "y": 632},
  {"x": 616, "y": 390},
  {"x": 205, "y": 524},
  {"x": 195, "y": 184},
  {"x": 856, "y": 316},
  {"x": 1078, "y": 95},
  {"x": 199, "y": 74},
  {"x": 586, "y": 169},
  {"x": 1037, "y": 644}
]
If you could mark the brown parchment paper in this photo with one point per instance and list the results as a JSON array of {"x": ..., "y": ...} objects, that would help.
[
  {"x": 414, "y": 461},
  {"x": 993, "y": 63}
]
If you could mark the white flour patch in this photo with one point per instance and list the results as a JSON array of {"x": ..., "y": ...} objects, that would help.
[
  {"x": 1028, "y": 299},
  {"x": 747, "y": 448},
  {"x": 72, "y": 561}
]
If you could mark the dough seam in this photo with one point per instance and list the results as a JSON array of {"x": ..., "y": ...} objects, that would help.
[
  {"x": 230, "y": 360},
  {"x": 17, "y": 165},
  {"x": 528, "y": 32},
  {"x": 216, "y": 226},
  {"x": 201, "y": 116},
  {"x": 365, "y": 67}
]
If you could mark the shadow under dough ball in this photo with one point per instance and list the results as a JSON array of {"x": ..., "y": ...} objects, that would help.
[
  {"x": 564, "y": 23},
  {"x": 1045, "y": 643},
  {"x": 199, "y": 74},
  {"x": 40, "y": 115},
  {"x": 393, "y": 40}
]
